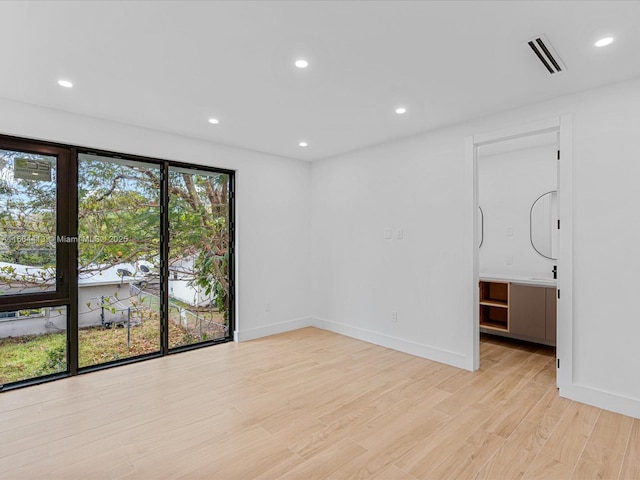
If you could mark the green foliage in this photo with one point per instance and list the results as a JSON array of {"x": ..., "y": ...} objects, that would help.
[
  {"x": 119, "y": 222},
  {"x": 198, "y": 215},
  {"x": 27, "y": 218},
  {"x": 56, "y": 360},
  {"x": 118, "y": 217}
]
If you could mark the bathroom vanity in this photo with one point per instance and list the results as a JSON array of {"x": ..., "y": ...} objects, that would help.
[{"x": 518, "y": 307}]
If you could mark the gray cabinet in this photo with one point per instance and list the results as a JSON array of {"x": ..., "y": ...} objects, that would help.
[{"x": 527, "y": 306}]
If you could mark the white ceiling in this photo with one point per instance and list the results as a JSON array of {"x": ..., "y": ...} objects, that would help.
[{"x": 172, "y": 65}]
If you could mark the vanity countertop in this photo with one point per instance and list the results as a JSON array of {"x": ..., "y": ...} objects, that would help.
[{"x": 520, "y": 279}]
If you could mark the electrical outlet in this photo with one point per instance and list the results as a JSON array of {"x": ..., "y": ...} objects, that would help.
[
  {"x": 387, "y": 233},
  {"x": 509, "y": 260},
  {"x": 399, "y": 234},
  {"x": 394, "y": 317}
]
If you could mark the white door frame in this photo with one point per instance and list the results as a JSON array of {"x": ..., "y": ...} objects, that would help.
[{"x": 563, "y": 126}]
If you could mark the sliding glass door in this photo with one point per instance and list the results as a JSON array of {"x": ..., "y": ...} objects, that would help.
[
  {"x": 199, "y": 265},
  {"x": 118, "y": 259}
]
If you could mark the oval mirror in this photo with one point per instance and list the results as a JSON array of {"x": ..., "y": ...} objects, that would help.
[
  {"x": 542, "y": 225},
  {"x": 480, "y": 225}
]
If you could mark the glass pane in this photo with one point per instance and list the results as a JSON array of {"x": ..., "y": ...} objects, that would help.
[
  {"x": 33, "y": 343},
  {"x": 198, "y": 256},
  {"x": 118, "y": 259},
  {"x": 27, "y": 223}
]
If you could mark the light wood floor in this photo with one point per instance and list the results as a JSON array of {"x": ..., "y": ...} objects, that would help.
[{"x": 313, "y": 404}]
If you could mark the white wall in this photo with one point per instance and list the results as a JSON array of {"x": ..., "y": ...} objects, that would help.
[
  {"x": 53, "y": 320},
  {"x": 418, "y": 184},
  {"x": 89, "y": 304},
  {"x": 190, "y": 294},
  {"x": 508, "y": 184},
  {"x": 360, "y": 277},
  {"x": 272, "y": 206}
]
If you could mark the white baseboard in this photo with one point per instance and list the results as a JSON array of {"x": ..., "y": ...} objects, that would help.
[
  {"x": 273, "y": 329},
  {"x": 580, "y": 393},
  {"x": 601, "y": 399},
  {"x": 402, "y": 345}
]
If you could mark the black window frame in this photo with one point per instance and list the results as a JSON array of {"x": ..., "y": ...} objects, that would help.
[{"x": 67, "y": 258}]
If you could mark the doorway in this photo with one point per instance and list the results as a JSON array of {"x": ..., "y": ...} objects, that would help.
[{"x": 514, "y": 251}]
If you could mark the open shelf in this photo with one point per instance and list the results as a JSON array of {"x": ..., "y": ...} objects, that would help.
[
  {"x": 495, "y": 318},
  {"x": 494, "y": 305},
  {"x": 494, "y": 293}
]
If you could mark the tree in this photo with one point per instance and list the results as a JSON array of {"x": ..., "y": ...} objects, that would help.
[
  {"x": 27, "y": 227},
  {"x": 119, "y": 222},
  {"x": 198, "y": 213},
  {"x": 118, "y": 214}
]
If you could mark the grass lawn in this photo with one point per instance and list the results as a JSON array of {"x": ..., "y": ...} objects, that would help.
[
  {"x": 32, "y": 356},
  {"x": 27, "y": 357},
  {"x": 99, "y": 345}
]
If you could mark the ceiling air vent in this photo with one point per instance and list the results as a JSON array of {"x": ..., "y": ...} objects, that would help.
[{"x": 546, "y": 54}]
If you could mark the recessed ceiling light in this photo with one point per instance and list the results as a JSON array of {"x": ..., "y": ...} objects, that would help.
[
  {"x": 65, "y": 83},
  {"x": 401, "y": 110},
  {"x": 301, "y": 63},
  {"x": 303, "y": 144},
  {"x": 603, "y": 42},
  {"x": 215, "y": 121}
]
